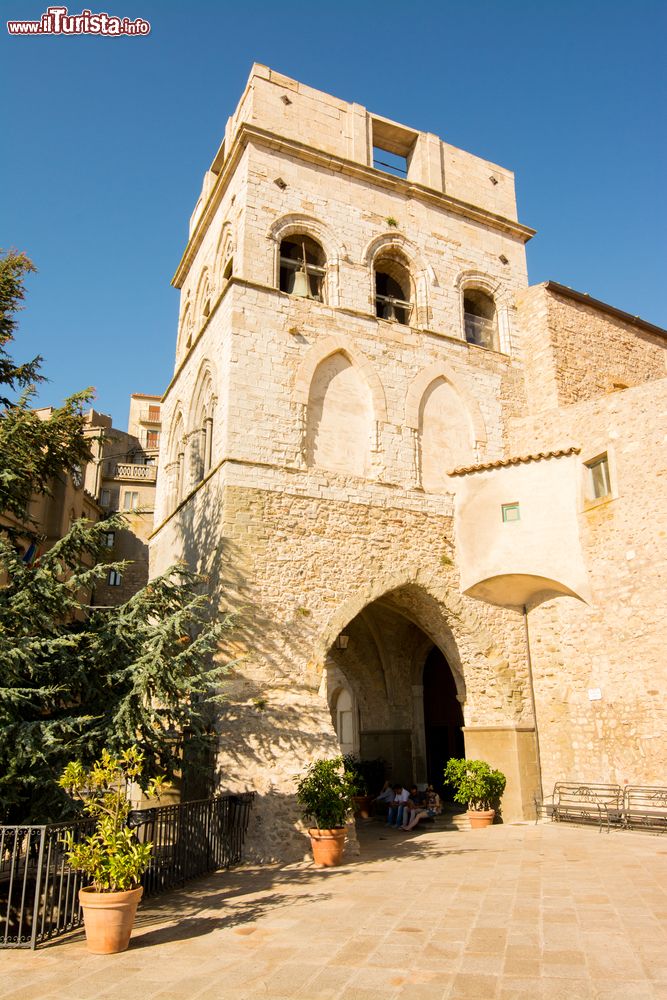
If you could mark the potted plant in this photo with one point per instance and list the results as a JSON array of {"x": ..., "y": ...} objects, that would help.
[
  {"x": 478, "y": 787},
  {"x": 111, "y": 856},
  {"x": 325, "y": 795}
]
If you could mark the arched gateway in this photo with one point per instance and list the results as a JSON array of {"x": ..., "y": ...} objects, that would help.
[{"x": 402, "y": 701}]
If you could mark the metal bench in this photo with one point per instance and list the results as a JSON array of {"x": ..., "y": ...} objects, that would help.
[
  {"x": 583, "y": 802},
  {"x": 645, "y": 806}
]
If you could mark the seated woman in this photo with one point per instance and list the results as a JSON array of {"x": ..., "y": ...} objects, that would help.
[
  {"x": 415, "y": 804},
  {"x": 425, "y": 804}
]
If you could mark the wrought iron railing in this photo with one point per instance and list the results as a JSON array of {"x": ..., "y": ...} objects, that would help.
[
  {"x": 39, "y": 891},
  {"x": 479, "y": 330},
  {"x": 392, "y": 309}
]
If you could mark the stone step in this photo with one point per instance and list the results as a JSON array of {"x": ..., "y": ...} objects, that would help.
[{"x": 452, "y": 821}]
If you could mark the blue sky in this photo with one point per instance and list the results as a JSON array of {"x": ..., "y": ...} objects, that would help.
[{"x": 106, "y": 141}]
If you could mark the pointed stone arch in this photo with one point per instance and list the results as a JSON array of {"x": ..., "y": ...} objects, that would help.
[
  {"x": 176, "y": 430},
  {"x": 201, "y": 421},
  {"x": 202, "y": 307},
  {"x": 325, "y": 349},
  {"x": 444, "y": 602},
  {"x": 448, "y": 619},
  {"x": 176, "y": 445},
  {"x": 420, "y": 384},
  {"x": 203, "y": 395},
  {"x": 224, "y": 253},
  {"x": 185, "y": 326},
  {"x": 427, "y": 468}
]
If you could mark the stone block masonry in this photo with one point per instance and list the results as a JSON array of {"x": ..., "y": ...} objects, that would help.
[{"x": 362, "y": 374}]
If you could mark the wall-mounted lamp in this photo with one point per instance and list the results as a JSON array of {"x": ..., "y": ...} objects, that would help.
[{"x": 342, "y": 641}]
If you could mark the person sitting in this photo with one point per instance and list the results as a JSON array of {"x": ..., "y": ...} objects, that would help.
[
  {"x": 433, "y": 803},
  {"x": 415, "y": 805},
  {"x": 427, "y": 806},
  {"x": 397, "y": 807},
  {"x": 382, "y": 801},
  {"x": 386, "y": 795}
]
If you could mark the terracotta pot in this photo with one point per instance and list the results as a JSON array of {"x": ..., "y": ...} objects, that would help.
[
  {"x": 108, "y": 918},
  {"x": 480, "y": 818},
  {"x": 328, "y": 846}
]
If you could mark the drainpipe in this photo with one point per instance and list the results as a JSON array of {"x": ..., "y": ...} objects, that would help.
[{"x": 532, "y": 700}]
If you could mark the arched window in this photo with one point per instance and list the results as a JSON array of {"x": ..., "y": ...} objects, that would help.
[
  {"x": 302, "y": 267},
  {"x": 202, "y": 445},
  {"x": 186, "y": 327},
  {"x": 175, "y": 466},
  {"x": 393, "y": 288},
  {"x": 479, "y": 319},
  {"x": 345, "y": 711},
  {"x": 203, "y": 299},
  {"x": 223, "y": 257},
  {"x": 201, "y": 438}
]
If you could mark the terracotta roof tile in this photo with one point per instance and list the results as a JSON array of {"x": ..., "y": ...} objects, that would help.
[{"x": 517, "y": 460}]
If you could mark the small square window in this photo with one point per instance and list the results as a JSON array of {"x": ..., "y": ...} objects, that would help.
[
  {"x": 105, "y": 498},
  {"x": 114, "y": 578},
  {"x": 599, "y": 483},
  {"x": 510, "y": 512},
  {"x": 109, "y": 539},
  {"x": 131, "y": 500}
]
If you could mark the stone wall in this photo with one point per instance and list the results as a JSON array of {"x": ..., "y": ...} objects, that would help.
[
  {"x": 297, "y": 570},
  {"x": 576, "y": 351},
  {"x": 616, "y": 642},
  {"x": 130, "y": 545}
]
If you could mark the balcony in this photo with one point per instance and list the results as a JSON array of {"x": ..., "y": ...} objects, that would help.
[
  {"x": 131, "y": 470},
  {"x": 152, "y": 415}
]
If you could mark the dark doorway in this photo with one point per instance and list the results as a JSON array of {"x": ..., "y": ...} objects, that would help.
[{"x": 443, "y": 717}]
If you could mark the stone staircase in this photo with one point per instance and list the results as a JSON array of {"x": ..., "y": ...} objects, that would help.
[{"x": 450, "y": 820}]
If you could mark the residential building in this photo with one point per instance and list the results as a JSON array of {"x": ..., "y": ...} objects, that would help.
[{"x": 123, "y": 476}]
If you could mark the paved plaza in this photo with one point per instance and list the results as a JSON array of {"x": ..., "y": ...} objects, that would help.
[{"x": 546, "y": 911}]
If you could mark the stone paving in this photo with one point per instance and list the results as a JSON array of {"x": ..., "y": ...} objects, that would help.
[{"x": 521, "y": 911}]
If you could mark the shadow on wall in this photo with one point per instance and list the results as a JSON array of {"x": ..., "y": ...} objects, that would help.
[
  {"x": 256, "y": 636},
  {"x": 271, "y": 725}
]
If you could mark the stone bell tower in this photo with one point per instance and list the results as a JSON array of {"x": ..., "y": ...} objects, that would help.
[{"x": 348, "y": 339}]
